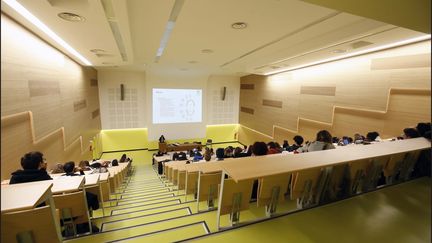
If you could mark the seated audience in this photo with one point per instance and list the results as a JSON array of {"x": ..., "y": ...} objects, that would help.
[
  {"x": 238, "y": 153},
  {"x": 84, "y": 165},
  {"x": 410, "y": 133},
  {"x": 58, "y": 169},
  {"x": 34, "y": 169},
  {"x": 220, "y": 154},
  {"x": 114, "y": 162},
  {"x": 279, "y": 147},
  {"x": 373, "y": 136},
  {"x": 229, "y": 151},
  {"x": 259, "y": 148},
  {"x": 207, "y": 154},
  {"x": 323, "y": 142},
  {"x": 70, "y": 169},
  {"x": 92, "y": 199},
  {"x": 298, "y": 143},
  {"x": 358, "y": 139},
  {"x": 272, "y": 148},
  {"x": 182, "y": 156},
  {"x": 285, "y": 145},
  {"x": 249, "y": 150},
  {"x": 98, "y": 167},
  {"x": 125, "y": 159},
  {"x": 423, "y": 128}
]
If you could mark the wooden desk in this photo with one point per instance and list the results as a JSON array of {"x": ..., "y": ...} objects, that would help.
[
  {"x": 24, "y": 196},
  {"x": 210, "y": 167},
  {"x": 92, "y": 179},
  {"x": 183, "y": 147},
  {"x": 65, "y": 184},
  {"x": 260, "y": 166}
]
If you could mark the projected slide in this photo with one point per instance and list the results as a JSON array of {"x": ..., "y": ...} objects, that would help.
[{"x": 177, "y": 105}]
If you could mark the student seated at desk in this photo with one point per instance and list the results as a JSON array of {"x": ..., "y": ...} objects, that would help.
[
  {"x": 58, "y": 169},
  {"x": 373, "y": 137},
  {"x": 125, "y": 159},
  {"x": 98, "y": 167},
  {"x": 258, "y": 149},
  {"x": 298, "y": 143},
  {"x": 34, "y": 169},
  {"x": 71, "y": 170},
  {"x": 323, "y": 142},
  {"x": 220, "y": 154},
  {"x": 114, "y": 162},
  {"x": 84, "y": 165}
]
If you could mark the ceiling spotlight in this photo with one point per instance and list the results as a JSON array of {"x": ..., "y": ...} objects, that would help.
[
  {"x": 239, "y": 25},
  {"x": 206, "y": 51},
  {"x": 339, "y": 51},
  {"x": 97, "y": 51},
  {"x": 71, "y": 17}
]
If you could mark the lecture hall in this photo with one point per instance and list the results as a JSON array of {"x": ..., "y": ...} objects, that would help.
[{"x": 304, "y": 121}]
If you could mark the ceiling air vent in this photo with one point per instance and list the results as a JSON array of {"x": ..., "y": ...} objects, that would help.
[
  {"x": 360, "y": 44},
  {"x": 103, "y": 55}
]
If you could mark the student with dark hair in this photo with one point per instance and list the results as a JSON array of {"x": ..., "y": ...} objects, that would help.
[
  {"x": 423, "y": 128},
  {"x": 124, "y": 158},
  {"x": 220, "y": 154},
  {"x": 259, "y": 148},
  {"x": 249, "y": 150},
  {"x": 238, "y": 153},
  {"x": 298, "y": 143},
  {"x": 84, "y": 165},
  {"x": 114, "y": 162},
  {"x": 323, "y": 142},
  {"x": 358, "y": 138},
  {"x": 373, "y": 136},
  {"x": 58, "y": 169},
  {"x": 70, "y": 169},
  {"x": 181, "y": 156},
  {"x": 285, "y": 145},
  {"x": 34, "y": 169},
  {"x": 229, "y": 152},
  {"x": 92, "y": 199},
  {"x": 410, "y": 133},
  {"x": 272, "y": 148}
]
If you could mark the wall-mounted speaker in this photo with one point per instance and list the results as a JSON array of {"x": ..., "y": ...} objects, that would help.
[
  {"x": 121, "y": 92},
  {"x": 223, "y": 93}
]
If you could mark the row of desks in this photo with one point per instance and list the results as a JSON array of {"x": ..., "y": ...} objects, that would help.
[{"x": 27, "y": 195}]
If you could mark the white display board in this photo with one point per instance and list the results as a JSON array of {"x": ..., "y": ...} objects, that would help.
[{"x": 177, "y": 106}]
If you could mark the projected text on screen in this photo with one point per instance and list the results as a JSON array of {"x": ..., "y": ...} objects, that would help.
[{"x": 177, "y": 105}]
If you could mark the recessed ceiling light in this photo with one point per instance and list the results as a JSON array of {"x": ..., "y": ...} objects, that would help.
[
  {"x": 71, "y": 17},
  {"x": 97, "y": 50},
  {"x": 207, "y": 51},
  {"x": 239, "y": 25},
  {"x": 338, "y": 51}
]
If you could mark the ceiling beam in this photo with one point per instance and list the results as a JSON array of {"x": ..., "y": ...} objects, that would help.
[{"x": 410, "y": 14}]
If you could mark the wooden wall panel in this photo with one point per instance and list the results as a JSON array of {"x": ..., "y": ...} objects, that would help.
[
  {"x": 384, "y": 91},
  {"x": 247, "y": 86},
  {"x": 38, "y": 94},
  {"x": 272, "y": 103},
  {"x": 318, "y": 90}
]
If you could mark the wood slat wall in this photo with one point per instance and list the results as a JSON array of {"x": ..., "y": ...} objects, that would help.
[
  {"x": 59, "y": 93},
  {"x": 383, "y": 91}
]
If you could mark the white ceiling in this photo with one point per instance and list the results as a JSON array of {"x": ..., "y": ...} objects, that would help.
[{"x": 280, "y": 33}]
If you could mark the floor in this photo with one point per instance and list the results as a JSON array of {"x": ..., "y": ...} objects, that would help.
[{"x": 146, "y": 209}]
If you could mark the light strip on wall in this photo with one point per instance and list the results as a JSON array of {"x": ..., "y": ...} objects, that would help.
[
  {"x": 373, "y": 49},
  {"x": 39, "y": 24}
]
